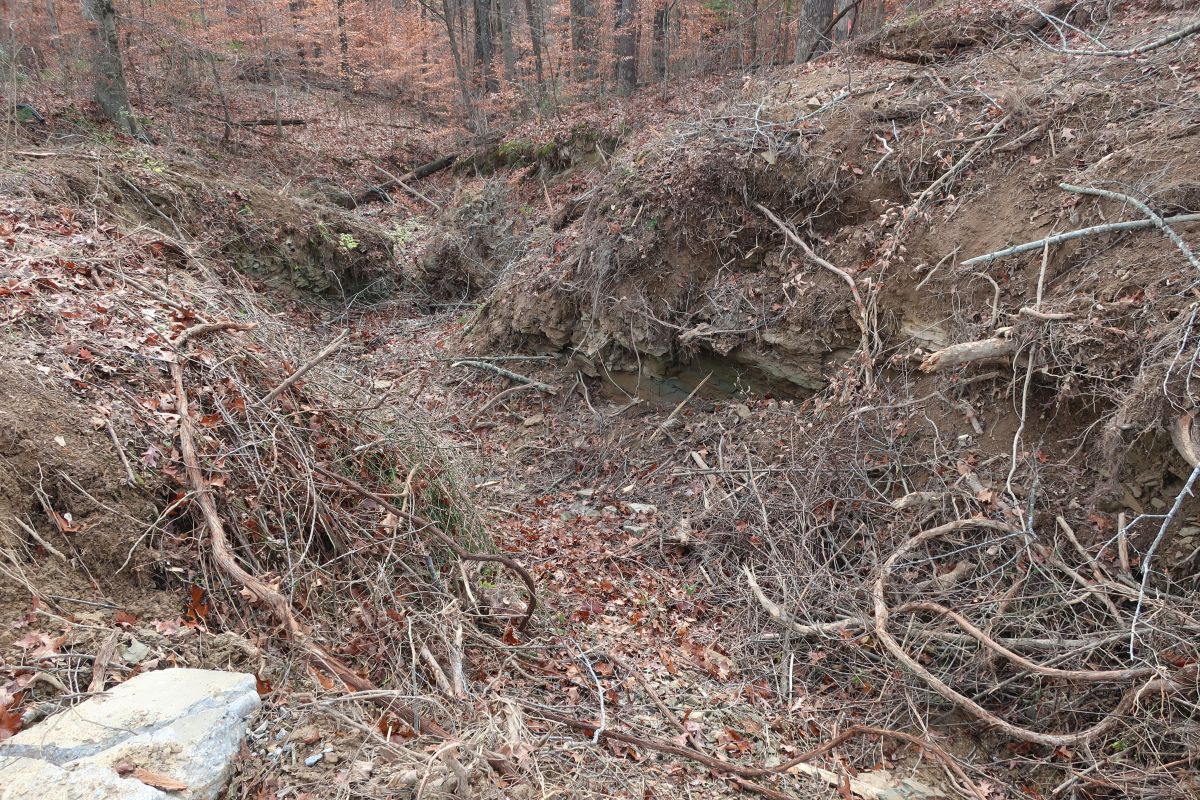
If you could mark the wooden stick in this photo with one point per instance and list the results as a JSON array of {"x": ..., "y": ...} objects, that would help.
[
  {"x": 1170, "y": 38},
  {"x": 1145, "y": 209},
  {"x": 1112, "y": 227},
  {"x": 778, "y": 614},
  {"x": 501, "y": 371},
  {"x": 300, "y": 373},
  {"x": 33, "y": 534},
  {"x": 958, "y": 165},
  {"x": 103, "y": 657},
  {"x": 112, "y": 434},
  {"x": 682, "y": 403}
]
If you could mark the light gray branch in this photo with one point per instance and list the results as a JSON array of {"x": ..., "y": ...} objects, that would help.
[
  {"x": 1059, "y": 238},
  {"x": 1140, "y": 206}
]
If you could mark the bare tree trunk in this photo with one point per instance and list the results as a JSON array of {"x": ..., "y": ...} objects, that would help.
[
  {"x": 507, "y": 15},
  {"x": 483, "y": 45},
  {"x": 460, "y": 72},
  {"x": 343, "y": 49},
  {"x": 752, "y": 34},
  {"x": 111, "y": 92},
  {"x": 56, "y": 36},
  {"x": 810, "y": 41},
  {"x": 294, "y": 9},
  {"x": 658, "y": 45},
  {"x": 533, "y": 10},
  {"x": 583, "y": 38},
  {"x": 625, "y": 46}
]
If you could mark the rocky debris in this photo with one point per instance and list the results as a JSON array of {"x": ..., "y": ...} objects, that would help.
[{"x": 166, "y": 734}]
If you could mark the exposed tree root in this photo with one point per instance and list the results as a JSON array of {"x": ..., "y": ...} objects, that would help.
[{"x": 882, "y": 613}]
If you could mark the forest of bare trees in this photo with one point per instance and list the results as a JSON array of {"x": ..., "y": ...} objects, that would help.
[{"x": 489, "y": 54}]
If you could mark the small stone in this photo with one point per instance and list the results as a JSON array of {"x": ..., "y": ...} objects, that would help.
[
  {"x": 642, "y": 508},
  {"x": 742, "y": 410},
  {"x": 314, "y": 759},
  {"x": 135, "y": 652},
  {"x": 1158, "y": 503}
]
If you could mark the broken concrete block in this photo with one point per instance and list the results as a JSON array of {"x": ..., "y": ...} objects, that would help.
[{"x": 173, "y": 726}]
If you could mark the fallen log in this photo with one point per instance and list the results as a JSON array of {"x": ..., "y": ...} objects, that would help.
[
  {"x": 380, "y": 192},
  {"x": 250, "y": 123},
  {"x": 966, "y": 352}
]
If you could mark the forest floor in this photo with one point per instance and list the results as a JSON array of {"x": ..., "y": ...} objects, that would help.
[{"x": 866, "y": 521}]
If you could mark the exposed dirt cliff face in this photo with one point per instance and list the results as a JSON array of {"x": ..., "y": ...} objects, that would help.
[{"x": 287, "y": 242}]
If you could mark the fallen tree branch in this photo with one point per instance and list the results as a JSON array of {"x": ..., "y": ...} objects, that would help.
[
  {"x": 1089, "y": 676},
  {"x": 666, "y": 422},
  {"x": 967, "y": 352},
  {"x": 961, "y": 701},
  {"x": 225, "y": 559},
  {"x": 778, "y": 614},
  {"x": 509, "y": 392},
  {"x": 967, "y": 157},
  {"x": 1148, "y": 559},
  {"x": 512, "y": 376},
  {"x": 1112, "y": 227},
  {"x": 380, "y": 192},
  {"x": 290, "y": 380},
  {"x": 264, "y": 122},
  {"x": 37, "y": 537},
  {"x": 446, "y": 539},
  {"x": 1140, "y": 206},
  {"x": 789, "y": 766},
  {"x": 1171, "y": 38}
]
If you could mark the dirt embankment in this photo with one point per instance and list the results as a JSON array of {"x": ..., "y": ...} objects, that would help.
[
  {"x": 1006, "y": 433},
  {"x": 280, "y": 238}
]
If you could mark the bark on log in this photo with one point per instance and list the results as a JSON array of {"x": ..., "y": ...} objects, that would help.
[
  {"x": 966, "y": 352},
  {"x": 380, "y": 192}
]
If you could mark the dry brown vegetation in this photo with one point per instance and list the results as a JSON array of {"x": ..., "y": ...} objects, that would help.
[{"x": 821, "y": 490}]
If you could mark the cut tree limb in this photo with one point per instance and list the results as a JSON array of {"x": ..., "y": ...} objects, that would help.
[
  {"x": 967, "y": 352},
  {"x": 1059, "y": 238},
  {"x": 505, "y": 373},
  {"x": 290, "y": 380},
  {"x": 380, "y": 192},
  {"x": 1145, "y": 209}
]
